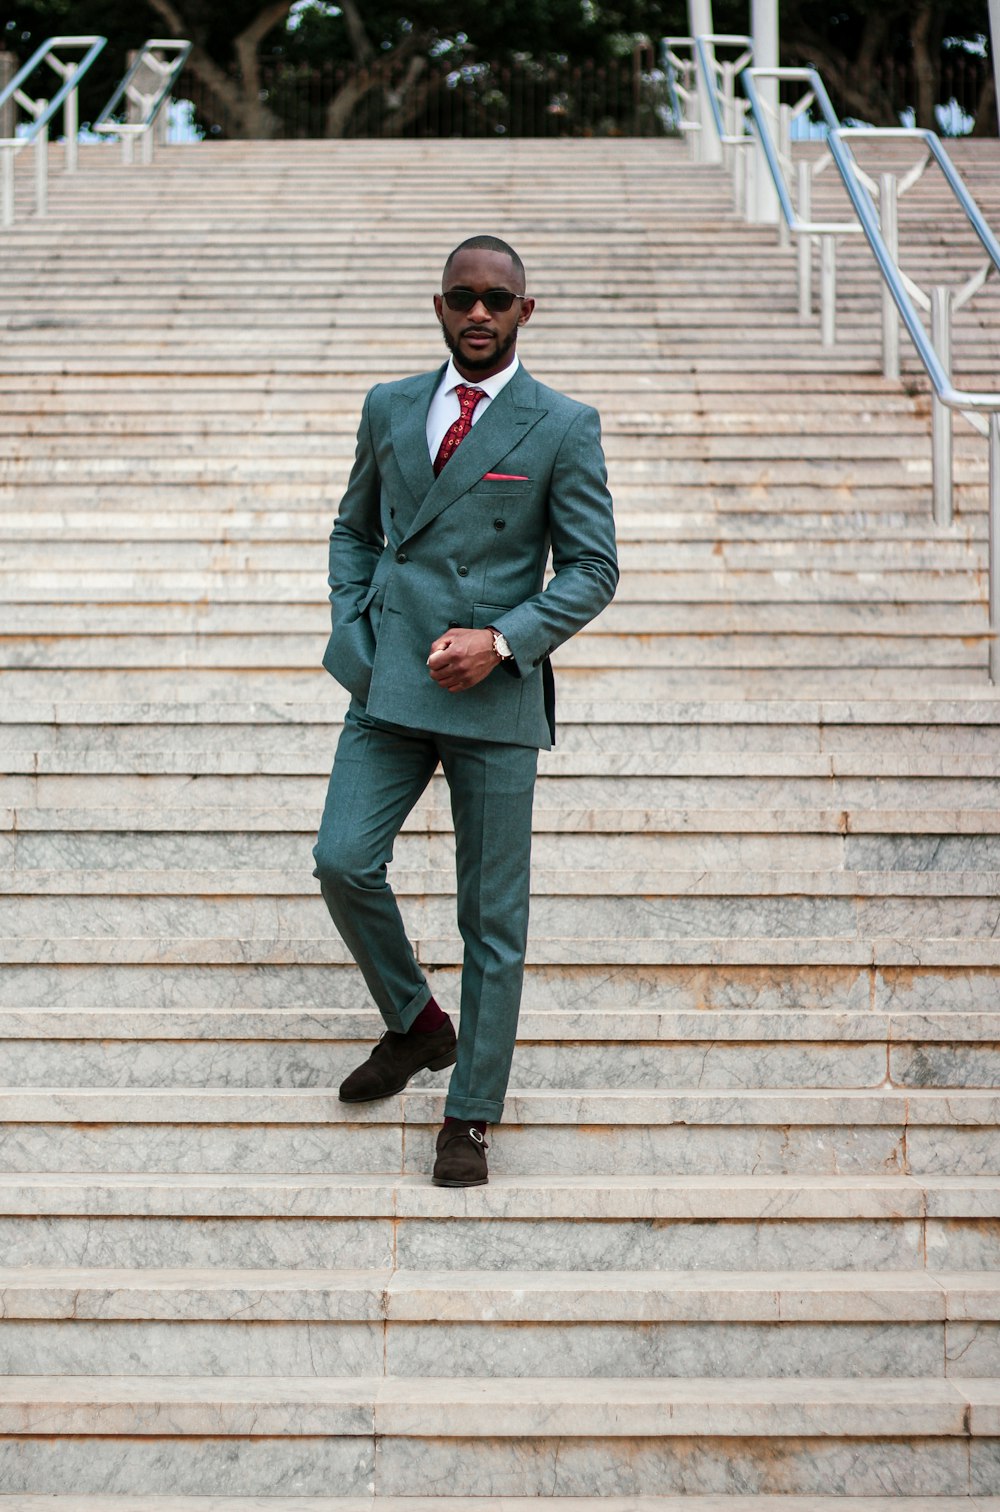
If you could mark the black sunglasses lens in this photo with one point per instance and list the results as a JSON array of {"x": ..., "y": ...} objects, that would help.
[{"x": 497, "y": 301}]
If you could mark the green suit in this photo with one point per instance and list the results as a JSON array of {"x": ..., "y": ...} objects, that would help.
[{"x": 411, "y": 556}]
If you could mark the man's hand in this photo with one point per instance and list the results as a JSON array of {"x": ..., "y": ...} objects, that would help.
[{"x": 462, "y": 658}]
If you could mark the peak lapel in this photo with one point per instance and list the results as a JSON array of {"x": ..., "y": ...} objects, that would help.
[
  {"x": 409, "y": 433},
  {"x": 503, "y": 425}
]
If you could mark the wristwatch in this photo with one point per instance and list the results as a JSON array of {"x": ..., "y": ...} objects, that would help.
[{"x": 500, "y": 645}]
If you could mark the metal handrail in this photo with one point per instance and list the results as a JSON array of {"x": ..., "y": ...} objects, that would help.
[
  {"x": 798, "y": 221},
  {"x": 935, "y": 351},
  {"x": 167, "y": 70},
  {"x": 41, "y": 112},
  {"x": 880, "y": 231},
  {"x": 709, "y": 66},
  {"x": 680, "y": 94}
]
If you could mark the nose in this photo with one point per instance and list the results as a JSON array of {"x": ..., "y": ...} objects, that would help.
[{"x": 479, "y": 311}]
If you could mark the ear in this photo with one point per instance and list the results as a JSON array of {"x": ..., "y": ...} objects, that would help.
[
  {"x": 527, "y": 305},
  {"x": 438, "y": 306}
]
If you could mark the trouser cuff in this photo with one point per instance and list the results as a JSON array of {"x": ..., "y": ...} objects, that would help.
[
  {"x": 401, "y": 1021},
  {"x": 473, "y": 1109}
]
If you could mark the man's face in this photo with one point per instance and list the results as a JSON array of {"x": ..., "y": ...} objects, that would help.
[{"x": 481, "y": 341}]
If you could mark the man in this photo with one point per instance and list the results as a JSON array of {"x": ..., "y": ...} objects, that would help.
[{"x": 462, "y": 480}]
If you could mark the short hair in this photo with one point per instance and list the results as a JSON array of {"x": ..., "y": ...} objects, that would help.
[{"x": 487, "y": 244}]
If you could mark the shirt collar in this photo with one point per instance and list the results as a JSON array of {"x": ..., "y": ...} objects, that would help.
[{"x": 492, "y": 386}]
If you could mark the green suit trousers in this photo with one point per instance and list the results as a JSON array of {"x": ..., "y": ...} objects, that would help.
[{"x": 379, "y": 772}]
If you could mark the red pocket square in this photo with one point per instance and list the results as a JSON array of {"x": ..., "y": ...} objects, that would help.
[{"x": 505, "y": 478}]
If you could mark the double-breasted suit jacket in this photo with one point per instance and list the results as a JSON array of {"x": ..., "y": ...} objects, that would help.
[{"x": 412, "y": 555}]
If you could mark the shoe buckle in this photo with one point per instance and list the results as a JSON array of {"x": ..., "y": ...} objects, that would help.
[{"x": 477, "y": 1138}]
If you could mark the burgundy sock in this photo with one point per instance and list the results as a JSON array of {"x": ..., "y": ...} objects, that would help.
[
  {"x": 473, "y": 1123},
  {"x": 430, "y": 1017}
]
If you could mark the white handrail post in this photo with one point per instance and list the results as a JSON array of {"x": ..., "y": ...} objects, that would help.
[
  {"x": 784, "y": 157},
  {"x": 71, "y": 126},
  {"x": 128, "y": 141},
  {"x": 889, "y": 225},
  {"x": 147, "y": 146},
  {"x": 941, "y": 416},
  {"x": 6, "y": 186},
  {"x": 42, "y": 168},
  {"x": 994, "y": 546},
  {"x": 766, "y": 210},
  {"x": 828, "y": 289},
  {"x": 804, "y": 213}
]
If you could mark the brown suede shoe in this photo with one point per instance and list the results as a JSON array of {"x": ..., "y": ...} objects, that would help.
[
  {"x": 461, "y": 1156},
  {"x": 395, "y": 1059}
]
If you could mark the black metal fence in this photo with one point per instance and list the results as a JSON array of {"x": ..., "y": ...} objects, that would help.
[{"x": 626, "y": 97}]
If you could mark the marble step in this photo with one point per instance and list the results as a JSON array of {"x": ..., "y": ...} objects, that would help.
[
  {"x": 877, "y": 831},
  {"x": 333, "y": 445},
  {"x": 593, "y": 1019},
  {"x": 281, "y": 630},
  {"x": 838, "y": 715},
  {"x": 384, "y": 1432},
  {"x": 645, "y": 1324},
  {"x": 673, "y": 682},
  {"x": 826, "y": 721},
  {"x": 846, "y": 640},
  {"x": 688, "y": 1502},
  {"x": 781, "y": 1132},
  {"x": 732, "y": 519},
  {"x": 19, "y": 885},
  {"x": 611, "y": 758},
  {"x": 43, "y": 565},
  {"x": 130, "y": 567},
  {"x": 586, "y": 1051},
  {"x": 958, "y": 910},
  {"x": 714, "y": 986},
  {"x": 805, "y": 786},
  {"x": 112, "y": 949},
  {"x": 30, "y": 857}
]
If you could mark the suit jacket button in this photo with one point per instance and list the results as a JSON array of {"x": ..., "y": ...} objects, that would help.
[
  {"x": 463, "y": 572},
  {"x": 499, "y": 524},
  {"x": 400, "y": 556},
  {"x": 453, "y": 624}
]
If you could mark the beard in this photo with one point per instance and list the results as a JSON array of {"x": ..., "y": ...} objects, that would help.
[{"x": 478, "y": 364}]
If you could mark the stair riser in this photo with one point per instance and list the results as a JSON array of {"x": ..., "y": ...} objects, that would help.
[
  {"x": 318, "y": 1466},
  {"x": 573, "y": 1349},
  {"x": 738, "y": 988},
  {"x": 669, "y": 739},
  {"x": 561, "y": 920},
  {"x": 458, "y": 1244},
  {"x": 731, "y": 679},
  {"x": 81, "y": 1063},
  {"x": 339, "y": 1149},
  {"x": 232, "y": 1064}
]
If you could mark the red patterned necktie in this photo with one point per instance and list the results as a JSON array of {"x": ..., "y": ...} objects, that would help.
[{"x": 468, "y": 398}]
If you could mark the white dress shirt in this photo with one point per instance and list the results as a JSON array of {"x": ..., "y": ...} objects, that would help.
[{"x": 445, "y": 408}]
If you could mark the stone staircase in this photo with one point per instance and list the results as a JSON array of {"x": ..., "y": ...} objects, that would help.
[{"x": 741, "y": 1245}]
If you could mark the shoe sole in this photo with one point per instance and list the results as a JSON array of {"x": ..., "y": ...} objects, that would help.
[
  {"x": 437, "y": 1181},
  {"x": 441, "y": 1064}
]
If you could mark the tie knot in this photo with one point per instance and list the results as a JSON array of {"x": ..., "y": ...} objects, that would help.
[{"x": 468, "y": 397}]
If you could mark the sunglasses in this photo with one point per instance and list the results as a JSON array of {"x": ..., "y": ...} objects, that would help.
[{"x": 497, "y": 301}]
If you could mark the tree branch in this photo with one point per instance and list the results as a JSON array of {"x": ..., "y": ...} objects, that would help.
[
  {"x": 239, "y": 99},
  {"x": 361, "y": 46}
]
